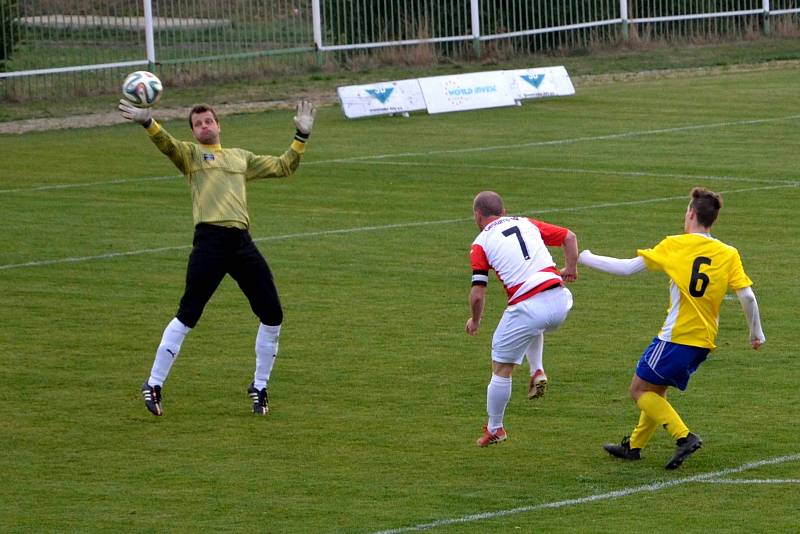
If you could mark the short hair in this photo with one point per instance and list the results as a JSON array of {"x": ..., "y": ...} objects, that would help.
[
  {"x": 706, "y": 205},
  {"x": 488, "y": 203},
  {"x": 202, "y": 108}
]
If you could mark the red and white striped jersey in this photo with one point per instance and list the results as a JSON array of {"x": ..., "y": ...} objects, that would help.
[{"x": 516, "y": 249}]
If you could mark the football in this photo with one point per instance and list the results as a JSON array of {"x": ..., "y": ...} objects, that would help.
[{"x": 142, "y": 88}]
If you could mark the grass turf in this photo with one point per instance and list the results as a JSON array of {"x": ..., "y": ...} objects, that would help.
[{"x": 377, "y": 394}]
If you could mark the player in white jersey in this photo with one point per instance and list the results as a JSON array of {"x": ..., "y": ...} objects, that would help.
[{"x": 516, "y": 249}]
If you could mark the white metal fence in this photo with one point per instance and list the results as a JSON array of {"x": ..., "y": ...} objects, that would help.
[{"x": 84, "y": 46}]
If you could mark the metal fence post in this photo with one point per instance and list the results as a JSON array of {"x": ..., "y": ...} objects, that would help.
[
  {"x": 316, "y": 17},
  {"x": 765, "y": 5},
  {"x": 623, "y": 14},
  {"x": 148, "y": 35},
  {"x": 476, "y": 26}
]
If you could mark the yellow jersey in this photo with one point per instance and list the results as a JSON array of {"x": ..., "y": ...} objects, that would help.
[
  {"x": 218, "y": 176},
  {"x": 701, "y": 269}
]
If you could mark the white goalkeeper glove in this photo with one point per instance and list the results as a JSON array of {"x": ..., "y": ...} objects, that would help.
[
  {"x": 304, "y": 118},
  {"x": 141, "y": 115}
]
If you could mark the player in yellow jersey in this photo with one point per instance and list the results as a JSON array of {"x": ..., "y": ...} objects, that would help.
[
  {"x": 701, "y": 269},
  {"x": 217, "y": 178}
]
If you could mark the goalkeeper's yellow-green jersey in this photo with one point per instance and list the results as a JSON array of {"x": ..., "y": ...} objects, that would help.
[
  {"x": 701, "y": 269},
  {"x": 217, "y": 176}
]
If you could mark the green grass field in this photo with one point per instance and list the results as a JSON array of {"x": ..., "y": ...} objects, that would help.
[{"x": 378, "y": 395}]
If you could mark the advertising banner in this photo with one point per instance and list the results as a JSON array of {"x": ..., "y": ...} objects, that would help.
[
  {"x": 462, "y": 92},
  {"x": 383, "y": 98},
  {"x": 459, "y": 92},
  {"x": 541, "y": 82}
]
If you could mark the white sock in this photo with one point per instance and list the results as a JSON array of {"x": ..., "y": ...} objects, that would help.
[
  {"x": 534, "y": 354},
  {"x": 167, "y": 351},
  {"x": 266, "y": 351},
  {"x": 497, "y": 395}
]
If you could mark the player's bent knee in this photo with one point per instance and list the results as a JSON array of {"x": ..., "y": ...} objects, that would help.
[{"x": 271, "y": 317}]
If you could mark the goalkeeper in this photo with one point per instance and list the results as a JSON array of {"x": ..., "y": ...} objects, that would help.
[
  {"x": 701, "y": 269},
  {"x": 217, "y": 179}
]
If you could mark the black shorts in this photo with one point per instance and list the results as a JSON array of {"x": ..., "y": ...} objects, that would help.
[{"x": 217, "y": 251}]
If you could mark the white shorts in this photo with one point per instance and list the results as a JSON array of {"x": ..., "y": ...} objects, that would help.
[{"x": 522, "y": 323}]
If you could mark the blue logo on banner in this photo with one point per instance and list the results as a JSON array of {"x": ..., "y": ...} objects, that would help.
[
  {"x": 208, "y": 157},
  {"x": 535, "y": 81},
  {"x": 381, "y": 94}
]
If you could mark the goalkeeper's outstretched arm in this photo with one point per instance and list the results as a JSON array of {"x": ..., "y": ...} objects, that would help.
[{"x": 607, "y": 264}]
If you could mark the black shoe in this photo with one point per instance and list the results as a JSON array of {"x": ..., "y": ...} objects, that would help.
[
  {"x": 259, "y": 398},
  {"x": 152, "y": 398},
  {"x": 623, "y": 450},
  {"x": 684, "y": 448}
]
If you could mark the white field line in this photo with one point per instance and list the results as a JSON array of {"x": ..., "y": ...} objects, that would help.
[
  {"x": 568, "y": 170},
  {"x": 569, "y": 141},
  {"x": 377, "y": 157},
  {"x": 752, "y": 481},
  {"x": 343, "y": 231},
  {"x": 653, "y": 487},
  {"x": 561, "y": 170},
  {"x": 89, "y": 184}
]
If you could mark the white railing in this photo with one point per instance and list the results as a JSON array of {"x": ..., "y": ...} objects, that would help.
[{"x": 476, "y": 33}]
